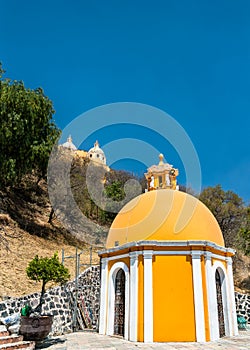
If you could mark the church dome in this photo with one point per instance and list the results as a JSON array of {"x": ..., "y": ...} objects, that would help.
[
  {"x": 69, "y": 144},
  {"x": 96, "y": 154},
  {"x": 164, "y": 215}
]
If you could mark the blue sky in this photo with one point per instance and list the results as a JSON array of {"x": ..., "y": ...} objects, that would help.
[{"x": 190, "y": 59}]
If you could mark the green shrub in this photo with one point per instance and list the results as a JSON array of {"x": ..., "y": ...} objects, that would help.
[{"x": 47, "y": 270}]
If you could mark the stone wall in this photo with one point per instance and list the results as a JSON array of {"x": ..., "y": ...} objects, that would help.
[
  {"x": 59, "y": 301},
  {"x": 243, "y": 305},
  {"x": 89, "y": 294}
]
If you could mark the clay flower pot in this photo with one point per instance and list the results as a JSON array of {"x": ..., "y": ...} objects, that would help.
[{"x": 35, "y": 327}]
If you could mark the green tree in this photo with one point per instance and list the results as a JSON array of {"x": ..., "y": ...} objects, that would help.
[
  {"x": 244, "y": 234},
  {"x": 229, "y": 210},
  {"x": 27, "y": 131},
  {"x": 115, "y": 191},
  {"x": 47, "y": 270}
]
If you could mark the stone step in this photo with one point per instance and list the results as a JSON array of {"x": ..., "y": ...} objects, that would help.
[
  {"x": 4, "y": 334},
  {"x": 3, "y": 331},
  {"x": 24, "y": 345},
  {"x": 11, "y": 339}
]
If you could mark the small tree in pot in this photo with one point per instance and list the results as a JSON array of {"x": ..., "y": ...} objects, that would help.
[{"x": 42, "y": 270}]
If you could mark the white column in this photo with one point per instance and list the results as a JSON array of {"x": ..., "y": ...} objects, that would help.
[
  {"x": 198, "y": 297},
  {"x": 211, "y": 292},
  {"x": 148, "y": 296},
  {"x": 133, "y": 314},
  {"x": 127, "y": 302},
  {"x": 233, "y": 317},
  {"x": 103, "y": 296}
]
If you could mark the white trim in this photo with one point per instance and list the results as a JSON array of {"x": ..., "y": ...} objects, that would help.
[
  {"x": 198, "y": 297},
  {"x": 207, "y": 244},
  {"x": 133, "y": 296},
  {"x": 111, "y": 298},
  {"x": 103, "y": 296},
  {"x": 211, "y": 293},
  {"x": 219, "y": 257},
  {"x": 225, "y": 300},
  {"x": 117, "y": 257},
  {"x": 148, "y": 296},
  {"x": 172, "y": 252},
  {"x": 234, "y": 326},
  {"x": 188, "y": 252},
  {"x": 167, "y": 252}
]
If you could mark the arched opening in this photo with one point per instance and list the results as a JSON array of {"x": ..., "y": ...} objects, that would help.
[
  {"x": 113, "y": 298},
  {"x": 220, "y": 310},
  {"x": 119, "y": 307}
]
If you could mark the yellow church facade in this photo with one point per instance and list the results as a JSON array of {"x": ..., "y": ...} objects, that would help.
[{"x": 166, "y": 275}]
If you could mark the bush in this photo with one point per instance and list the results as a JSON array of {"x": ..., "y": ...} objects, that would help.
[{"x": 47, "y": 270}]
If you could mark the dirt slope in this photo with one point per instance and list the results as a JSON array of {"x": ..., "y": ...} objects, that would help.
[
  {"x": 25, "y": 232},
  {"x": 21, "y": 249}
]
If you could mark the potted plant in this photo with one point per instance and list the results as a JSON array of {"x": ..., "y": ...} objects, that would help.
[{"x": 34, "y": 325}]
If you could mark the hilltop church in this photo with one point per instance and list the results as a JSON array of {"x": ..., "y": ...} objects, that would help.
[{"x": 95, "y": 153}]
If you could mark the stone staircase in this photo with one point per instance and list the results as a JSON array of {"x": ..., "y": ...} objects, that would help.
[{"x": 13, "y": 342}]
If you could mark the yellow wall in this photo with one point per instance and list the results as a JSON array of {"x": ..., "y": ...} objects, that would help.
[
  {"x": 156, "y": 182},
  {"x": 205, "y": 298},
  {"x": 174, "y": 318},
  {"x": 140, "y": 299},
  {"x": 112, "y": 262},
  {"x": 221, "y": 261}
]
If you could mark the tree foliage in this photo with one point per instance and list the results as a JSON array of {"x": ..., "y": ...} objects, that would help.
[
  {"x": 244, "y": 235},
  {"x": 47, "y": 270},
  {"x": 27, "y": 131},
  {"x": 229, "y": 210},
  {"x": 115, "y": 191}
]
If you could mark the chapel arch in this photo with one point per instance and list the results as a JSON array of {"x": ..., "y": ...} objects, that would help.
[
  {"x": 119, "y": 303},
  {"x": 118, "y": 300},
  {"x": 221, "y": 299}
]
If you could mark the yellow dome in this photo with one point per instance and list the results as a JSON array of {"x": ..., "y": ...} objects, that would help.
[{"x": 164, "y": 215}]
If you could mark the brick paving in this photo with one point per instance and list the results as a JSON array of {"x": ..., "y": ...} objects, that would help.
[{"x": 92, "y": 340}]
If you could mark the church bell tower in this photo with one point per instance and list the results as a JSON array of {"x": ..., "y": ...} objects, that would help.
[{"x": 162, "y": 176}]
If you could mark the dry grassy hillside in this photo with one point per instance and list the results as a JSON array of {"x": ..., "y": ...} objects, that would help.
[
  {"x": 25, "y": 232},
  {"x": 21, "y": 249},
  {"x": 241, "y": 267}
]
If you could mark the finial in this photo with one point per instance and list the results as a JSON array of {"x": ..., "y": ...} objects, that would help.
[
  {"x": 161, "y": 156},
  {"x": 69, "y": 139},
  {"x": 96, "y": 144}
]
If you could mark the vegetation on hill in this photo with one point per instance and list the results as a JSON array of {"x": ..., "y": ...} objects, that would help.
[
  {"x": 244, "y": 234},
  {"x": 108, "y": 187},
  {"x": 233, "y": 217},
  {"x": 229, "y": 210}
]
